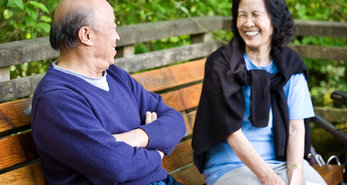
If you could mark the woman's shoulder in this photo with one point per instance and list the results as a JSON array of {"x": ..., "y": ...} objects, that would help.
[{"x": 218, "y": 58}]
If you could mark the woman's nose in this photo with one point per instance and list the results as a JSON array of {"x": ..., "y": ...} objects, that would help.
[{"x": 249, "y": 23}]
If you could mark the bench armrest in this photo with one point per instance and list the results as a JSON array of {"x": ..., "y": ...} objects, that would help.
[{"x": 340, "y": 96}]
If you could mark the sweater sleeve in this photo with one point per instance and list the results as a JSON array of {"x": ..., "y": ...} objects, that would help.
[
  {"x": 165, "y": 132},
  {"x": 66, "y": 129}
]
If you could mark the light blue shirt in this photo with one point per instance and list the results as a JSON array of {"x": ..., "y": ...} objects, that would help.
[
  {"x": 222, "y": 159},
  {"x": 100, "y": 82}
]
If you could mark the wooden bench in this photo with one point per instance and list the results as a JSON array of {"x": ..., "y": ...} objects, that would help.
[{"x": 179, "y": 85}]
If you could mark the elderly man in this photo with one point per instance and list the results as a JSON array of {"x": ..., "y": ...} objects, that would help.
[{"x": 92, "y": 122}]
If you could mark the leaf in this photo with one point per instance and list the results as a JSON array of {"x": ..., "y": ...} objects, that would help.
[
  {"x": 21, "y": 26},
  {"x": 142, "y": 15},
  {"x": 184, "y": 9},
  {"x": 29, "y": 21},
  {"x": 45, "y": 26},
  {"x": 31, "y": 12},
  {"x": 46, "y": 18},
  {"x": 39, "y": 5},
  {"x": 8, "y": 14},
  {"x": 18, "y": 3},
  {"x": 174, "y": 39}
]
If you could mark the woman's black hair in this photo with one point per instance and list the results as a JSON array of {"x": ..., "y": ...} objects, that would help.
[{"x": 281, "y": 19}]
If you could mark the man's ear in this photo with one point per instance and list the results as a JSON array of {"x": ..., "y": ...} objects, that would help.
[{"x": 85, "y": 36}]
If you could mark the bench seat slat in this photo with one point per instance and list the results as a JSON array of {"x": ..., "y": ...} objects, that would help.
[
  {"x": 180, "y": 156},
  {"x": 28, "y": 175},
  {"x": 190, "y": 176},
  {"x": 189, "y": 119}
]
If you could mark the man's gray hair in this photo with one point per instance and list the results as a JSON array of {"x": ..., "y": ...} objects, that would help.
[{"x": 64, "y": 32}]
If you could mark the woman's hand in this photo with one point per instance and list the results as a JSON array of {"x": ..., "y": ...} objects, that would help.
[
  {"x": 249, "y": 156},
  {"x": 273, "y": 180}
]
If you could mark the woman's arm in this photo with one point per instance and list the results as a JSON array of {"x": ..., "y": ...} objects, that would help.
[
  {"x": 248, "y": 155},
  {"x": 295, "y": 150}
]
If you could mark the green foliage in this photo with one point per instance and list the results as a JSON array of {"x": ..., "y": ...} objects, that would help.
[
  {"x": 23, "y": 20},
  {"x": 326, "y": 76}
]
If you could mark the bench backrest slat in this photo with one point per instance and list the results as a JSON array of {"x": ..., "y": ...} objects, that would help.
[
  {"x": 15, "y": 114},
  {"x": 17, "y": 149},
  {"x": 173, "y": 76}
]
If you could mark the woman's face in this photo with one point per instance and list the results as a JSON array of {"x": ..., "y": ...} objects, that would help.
[{"x": 254, "y": 24}]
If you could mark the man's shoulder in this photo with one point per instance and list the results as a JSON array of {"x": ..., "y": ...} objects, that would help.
[
  {"x": 56, "y": 82},
  {"x": 118, "y": 74}
]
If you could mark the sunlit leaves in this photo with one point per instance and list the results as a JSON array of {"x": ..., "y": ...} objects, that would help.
[{"x": 39, "y": 5}]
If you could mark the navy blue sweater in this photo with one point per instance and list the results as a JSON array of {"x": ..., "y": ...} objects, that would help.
[{"x": 73, "y": 122}]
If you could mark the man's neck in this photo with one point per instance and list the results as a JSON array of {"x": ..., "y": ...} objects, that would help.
[{"x": 79, "y": 63}]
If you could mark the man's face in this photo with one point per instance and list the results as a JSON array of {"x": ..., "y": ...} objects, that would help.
[{"x": 105, "y": 37}]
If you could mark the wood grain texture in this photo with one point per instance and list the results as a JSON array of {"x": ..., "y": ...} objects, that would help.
[
  {"x": 320, "y": 52},
  {"x": 19, "y": 88},
  {"x": 15, "y": 114},
  {"x": 191, "y": 117},
  {"x": 332, "y": 174},
  {"x": 4, "y": 74},
  {"x": 17, "y": 149},
  {"x": 190, "y": 176},
  {"x": 20, "y": 52},
  {"x": 169, "y": 77},
  {"x": 164, "y": 57},
  {"x": 188, "y": 125},
  {"x": 180, "y": 156},
  {"x": 125, "y": 51},
  {"x": 183, "y": 99},
  {"x": 320, "y": 28},
  {"x": 28, "y": 175}
]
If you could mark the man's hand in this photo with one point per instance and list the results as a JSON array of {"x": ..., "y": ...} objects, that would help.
[
  {"x": 150, "y": 117},
  {"x": 161, "y": 154},
  {"x": 137, "y": 137}
]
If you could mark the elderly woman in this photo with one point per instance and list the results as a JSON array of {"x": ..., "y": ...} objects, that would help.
[{"x": 251, "y": 125}]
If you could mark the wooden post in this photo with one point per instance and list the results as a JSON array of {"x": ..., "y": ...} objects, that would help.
[
  {"x": 4, "y": 74},
  {"x": 203, "y": 37},
  {"x": 125, "y": 51}
]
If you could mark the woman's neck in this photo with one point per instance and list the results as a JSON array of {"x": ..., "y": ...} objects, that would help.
[{"x": 259, "y": 57}]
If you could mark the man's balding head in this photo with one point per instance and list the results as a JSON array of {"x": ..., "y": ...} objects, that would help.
[{"x": 69, "y": 17}]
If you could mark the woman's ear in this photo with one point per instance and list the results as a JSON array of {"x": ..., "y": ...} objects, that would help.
[{"x": 85, "y": 36}]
